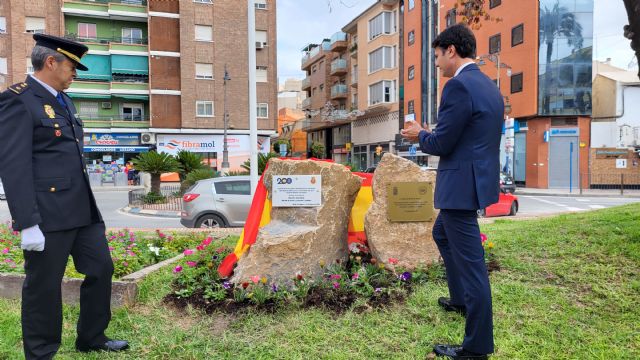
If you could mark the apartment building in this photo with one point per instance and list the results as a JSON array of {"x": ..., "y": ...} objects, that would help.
[
  {"x": 540, "y": 56},
  {"x": 374, "y": 73},
  {"x": 157, "y": 71}
]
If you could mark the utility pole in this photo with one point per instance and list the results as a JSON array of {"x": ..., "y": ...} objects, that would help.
[
  {"x": 253, "y": 120},
  {"x": 225, "y": 146}
]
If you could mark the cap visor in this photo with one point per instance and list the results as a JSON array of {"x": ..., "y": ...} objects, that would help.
[{"x": 79, "y": 66}]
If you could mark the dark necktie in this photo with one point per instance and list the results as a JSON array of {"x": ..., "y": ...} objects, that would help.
[{"x": 61, "y": 101}]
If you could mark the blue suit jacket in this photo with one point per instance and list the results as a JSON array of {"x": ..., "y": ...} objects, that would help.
[{"x": 467, "y": 139}]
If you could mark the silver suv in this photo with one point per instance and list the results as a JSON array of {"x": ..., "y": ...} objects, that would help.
[{"x": 217, "y": 202}]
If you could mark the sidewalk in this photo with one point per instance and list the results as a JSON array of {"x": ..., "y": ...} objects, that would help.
[
  {"x": 115, "y": 188},
  {"x": 576, "y": 192},
  {"x": 148, "y": 212}
]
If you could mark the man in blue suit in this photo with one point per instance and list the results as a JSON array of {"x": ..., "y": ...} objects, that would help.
[{"x": 467, "y": 140}]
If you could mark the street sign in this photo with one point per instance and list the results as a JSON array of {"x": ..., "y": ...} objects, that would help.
[
  {"x": 413, "y": 150},
  {"x": 283, "y": 150},
  {"x": 546, "y": 136},
  {"x": 621, "y": 163}
]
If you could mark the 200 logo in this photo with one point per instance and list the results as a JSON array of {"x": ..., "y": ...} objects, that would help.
[{"x": 283, "y": 181}]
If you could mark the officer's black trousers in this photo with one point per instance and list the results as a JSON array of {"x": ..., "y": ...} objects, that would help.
[{"x": 42, "y": 298}]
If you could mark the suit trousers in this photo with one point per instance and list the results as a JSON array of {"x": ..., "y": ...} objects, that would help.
[
  {"x": 42, "y": 297},
  {"x": 457, "y": 235}
]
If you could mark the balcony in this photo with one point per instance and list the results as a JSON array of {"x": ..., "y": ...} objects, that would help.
[
  {"x": 315, "y": 53},
  {"x": 306, "y": 104},
  {"x": 135, "y": 10},
  {"x": 306, "y": 83},
  {"x": 115, "y": 43},
  {"x": 338, "y": 91},
  {"x": 354, "y": 79},
  {"x": 353, "y": 50},
  {"x": 338, "y": 67},
  {"x": 339, "y": 42},
  {"x": 116, "y": 121}
]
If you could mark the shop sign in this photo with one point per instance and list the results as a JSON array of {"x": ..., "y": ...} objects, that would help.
[
  {"x": 112, "y": 139},
  {"x": 564, "y": 132},
  {"x": 611, "y": 154},
  {"x": 237, "y": 144}
]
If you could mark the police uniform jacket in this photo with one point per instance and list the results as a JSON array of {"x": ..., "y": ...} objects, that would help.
[{"x": 42, "y": 162}]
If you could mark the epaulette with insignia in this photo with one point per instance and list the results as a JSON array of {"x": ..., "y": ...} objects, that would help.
[{"x": 19, "y": 87}]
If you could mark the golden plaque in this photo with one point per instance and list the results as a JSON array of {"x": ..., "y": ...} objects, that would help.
[{"x": 410, "y": 201}]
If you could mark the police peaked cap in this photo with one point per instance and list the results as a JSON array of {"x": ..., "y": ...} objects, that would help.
[{"x": 74, "y": 51}]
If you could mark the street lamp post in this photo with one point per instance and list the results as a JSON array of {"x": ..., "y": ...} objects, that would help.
[{"x": 225, "y": 147}]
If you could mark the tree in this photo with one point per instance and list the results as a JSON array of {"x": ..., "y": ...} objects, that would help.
[
  {"x": 197, "y": 175},
  {"x": 632, "y": 30},
  {"x": 263, "y": 159},
  {"x": 554, "y": 23},
  {"x": 156, "y": 164},
  {"x": 189, "y": 162},
  {"x": 473, "y": 12},
  {"x": 317, "y": 150}
]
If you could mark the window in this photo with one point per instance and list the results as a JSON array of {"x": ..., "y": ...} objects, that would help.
[
  {"x": 451, "y": 17},
  {"x": 30, "y": 68},
  {"x": 261, "y": 37},
  {"x": 314, "y": 69},
  {"x": 132, "y": 112},
  {"x": 411, "y": 37},
  {"x": 411, "y": 4},
  {"x": 321, "y": 87},
  {"x": 516, "y": 83},
  {"x": 88, "y": 110},
  {"x": 517, "y": 35},
  {"x": 203, "y": 1},
  {"x": 204, "y": 33},
  {"x": 204, "y": 108},
  {"x": 411, "y": 72},
  {"x": 411, "y": 107},
  {"x": 383, "y": 57},
  {"x": 204, "y": 71},
  {"x": 384, "y": 23},
  {"x": 494, "y": 44},
  {"x": 87, "y": 31},
  {"x": 263, "y": 110},
  {"x": 261, "y": 4},
  {"x": 131, "y": 36},
  {"x": 3, "y": 25},
  {"x": 237, "y": 187},
  {"x": 383, "y": 91},
  {"x": 494, "y": 3},
  {"x": 34, "y": 25},
  {"x": 261, "y": 74},
  {"x": 3, "y": 66}
]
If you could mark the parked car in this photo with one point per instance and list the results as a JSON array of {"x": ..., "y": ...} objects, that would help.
[
  {"x": 217, "y": 202},
  {"x": 2, "y": 195},
  {"x": 370, "y": 170},
  {"x": 507, "y": 185},
  {"x": 507, "y": 205}
]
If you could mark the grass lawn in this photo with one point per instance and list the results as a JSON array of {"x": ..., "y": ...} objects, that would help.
[{"x": 569, "y": 288}]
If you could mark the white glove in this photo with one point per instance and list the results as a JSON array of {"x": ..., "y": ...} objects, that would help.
[{"x": 32, "y": 239}]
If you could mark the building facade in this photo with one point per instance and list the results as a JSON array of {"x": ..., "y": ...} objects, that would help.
[
  {"x": 157, "y": 70},
  {"x": 540, "y": 57}
]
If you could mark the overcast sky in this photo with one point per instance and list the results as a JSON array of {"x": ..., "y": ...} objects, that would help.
[{"x": 301, "y": 22}]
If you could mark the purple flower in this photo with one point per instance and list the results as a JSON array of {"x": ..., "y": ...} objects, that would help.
[
  {"x": 377, "y": 290},
  {"x": 336, "y": 285},
  {"x": 335, "y": 277},
  {"x": 177, "y": 269},
  {"x": 226, "y": 285},
  {"x": 192, "y": 263},
  {"x": 405, "y": 276},
  {"x": 214, "y": 257},
  {"x": 274, "y": 287}
]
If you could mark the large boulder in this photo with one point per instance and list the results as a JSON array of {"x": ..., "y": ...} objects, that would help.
[
  {"x": 298, "y": 239},
  {"x": 408, "y": 244}
]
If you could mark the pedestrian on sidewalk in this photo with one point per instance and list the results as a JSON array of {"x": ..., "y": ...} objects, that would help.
[
  {"x": 467, "y": 140},
  {"x": 51, "y": 202}
]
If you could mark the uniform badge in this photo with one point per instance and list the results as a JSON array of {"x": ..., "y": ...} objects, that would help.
[
  {"x": 49, "y": 110},
  {"x": 58, "y": 133}
]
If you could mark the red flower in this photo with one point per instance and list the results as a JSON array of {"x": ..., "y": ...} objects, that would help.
[
  {"x": 207, "y": 241},
  {"x": 299, "y": 277},
  {"x": 220, "y": 249},
  {"x": 245, "y": 285},
  {"x": 393, "y": 261},
  {"x": 199, "y": 247},
  {"x": 483, "y": 237}
]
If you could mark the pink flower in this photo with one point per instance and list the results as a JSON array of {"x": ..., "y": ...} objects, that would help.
[
  {"x": 16, "y": 233},
  {"x": 335, "y": 277},
  {"x": 161, "y": 235},
  {"x": 177, "y": 269},
  {"x": 355, "y": 276},
  {"x": 169, "y": 238},
  {"x": 191, "y": 263},
  {"x": 255, "y": 279},
  {"x": 5, "y": 251},
  {"x": 207, "y": 241},
  {"x": 393, "y": 261},
  {"x": 483, "y": 237},
  {"x": 125, "y": 264},
  {"x": 188, "y": 252},
  {"x": 336, "y": 285},
  {"x": 111, "y": 248},
  {"x": 199, "y": 247}
]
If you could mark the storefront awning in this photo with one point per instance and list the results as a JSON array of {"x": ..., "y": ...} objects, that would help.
[
  {"x": 132, "y": 97},
  {"x": 129, "y": 64},
  {"x": 128, "y": 149},
  {"x": 99, "y": 67},
  {"x": 89, "y": 96}
]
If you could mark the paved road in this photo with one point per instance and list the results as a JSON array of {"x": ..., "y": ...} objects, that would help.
[{"x": 110, "y": 201}]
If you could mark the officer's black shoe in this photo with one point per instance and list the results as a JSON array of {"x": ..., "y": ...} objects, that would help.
[
  {"x": 456, "y": 352},
  {"x": 109, "y": 345},
  {"x": 446, "y": 304}
]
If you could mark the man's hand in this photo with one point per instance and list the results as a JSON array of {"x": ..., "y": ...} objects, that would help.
[
  {"x": 412, "y": 130},
  {"x": 32, "y": 239}
]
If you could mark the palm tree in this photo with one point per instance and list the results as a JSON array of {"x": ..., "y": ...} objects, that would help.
[
  {"x": 263, "y": 159},
  {"x": 156, "y": 164},
  {"x": 554, "y": 23},
  {"x": 189, "y": 161}
]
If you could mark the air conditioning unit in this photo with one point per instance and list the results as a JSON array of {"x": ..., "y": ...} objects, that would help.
[
  {"x": 148, "y": 138},
  {"x": 259, "y": 45},
  {"x": 262, "y": 6},
  {"x": 106, "y": 105}
]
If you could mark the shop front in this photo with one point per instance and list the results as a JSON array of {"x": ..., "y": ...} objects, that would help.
[{"x": 112, "y": 148}]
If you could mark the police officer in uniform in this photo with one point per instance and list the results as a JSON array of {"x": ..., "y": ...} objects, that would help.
[{"x": 51, "y": 203}]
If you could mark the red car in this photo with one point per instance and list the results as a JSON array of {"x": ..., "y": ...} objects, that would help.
[{"x": 507, "y": 205}]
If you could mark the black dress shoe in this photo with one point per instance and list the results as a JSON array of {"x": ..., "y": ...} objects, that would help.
[
  {"x": 456, "y": 352},
  {"x": 109, "y": 345},
  {"x": 446, "y": 304}
]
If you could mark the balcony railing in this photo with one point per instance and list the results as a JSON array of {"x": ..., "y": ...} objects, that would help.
[
  {"x": 116, "y": 121},
  {"x": 124, "y": 2},
  {"x": 339, "y": 41},
  {"x": 306, "y": 103},
  {"x": 339, "y": 90},
  {"x": 107, "y": 40},
  {"x": 354, "y": 78},
  {"x": 306, "y": 83},
  {"x": 338, "y": 66}
]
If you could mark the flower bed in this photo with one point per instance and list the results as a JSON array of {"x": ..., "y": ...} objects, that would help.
[{"x": 361, "y": 283}]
